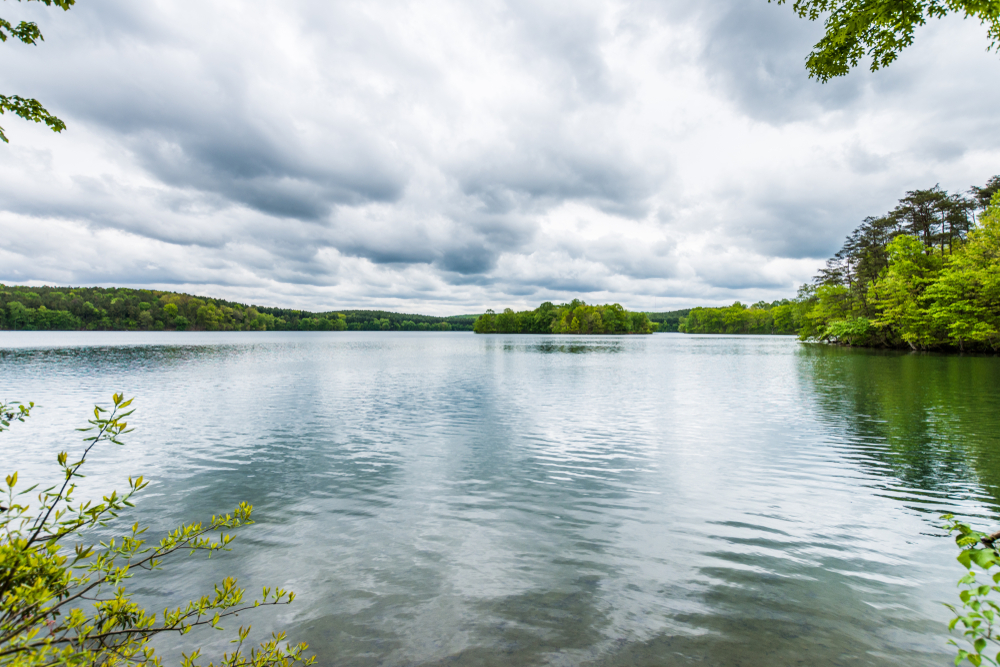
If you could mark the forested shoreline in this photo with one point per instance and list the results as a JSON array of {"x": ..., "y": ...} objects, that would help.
[
  {"x": 126, "y": 309},
  {"x": 575, "y": 317},
  {"x": 778, "y": 317},
  {"x": 924, "y": 276}
]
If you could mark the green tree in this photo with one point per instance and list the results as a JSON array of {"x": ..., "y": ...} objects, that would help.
[
  {"x": 207, "y": 317},
  {"x": 921, "y": 212},
  {"x": 18, "y": 315},
  {"x": 575, "y": 317},
  {"x": 984, "y": 195},
  {"x": 26, "y": 107},
  {"x": 64, "y": 603},
  {"x": 965, "y": 300},
  {"x": 921, "y": 276},
  {"x": 507, "y": 322},
  {"x": 486, "y": 323},
  {"x": 879, "y": 29},
  {"x": 902, "y": 290}
]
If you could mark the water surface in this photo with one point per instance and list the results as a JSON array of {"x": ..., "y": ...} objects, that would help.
[{"x": 445, "y": 498}]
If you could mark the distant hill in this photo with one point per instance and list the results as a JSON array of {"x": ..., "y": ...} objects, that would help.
[{"x": 126, "y": 309}]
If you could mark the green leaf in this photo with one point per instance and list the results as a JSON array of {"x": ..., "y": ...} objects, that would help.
[{"x": 984, "y": 558}]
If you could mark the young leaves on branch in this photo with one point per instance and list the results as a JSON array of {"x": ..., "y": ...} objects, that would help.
[
  {"x": 13, "y": 412},
  {"x": 978, "y": 612},
  {"x": 64, "y": 602},
  {"x": 26, "y": 107},
  {"x": 879, "y": 29}
]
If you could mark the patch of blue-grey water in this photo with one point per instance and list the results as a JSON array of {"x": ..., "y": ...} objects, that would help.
[{"x": 522, "y": 500}]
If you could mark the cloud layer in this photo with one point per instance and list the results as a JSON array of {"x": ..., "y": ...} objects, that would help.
[{"x": 445, "y": 156}]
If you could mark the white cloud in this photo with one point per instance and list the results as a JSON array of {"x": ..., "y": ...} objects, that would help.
[{"x": 445, "y": 157}]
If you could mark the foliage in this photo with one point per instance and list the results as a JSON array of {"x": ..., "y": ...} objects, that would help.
[
  {"x": 575, "y": 317},
  {"x": 669, "y": 321},
  {"x": 879, "y": 29},
  {"x": 900, "y": 292},
  {"x": 12, "y": 412},
  {"x": 925, "y": 276},
  {"x": 779, "y": 317},
  {"x": 107, "y": 309},
  {"x": 857, "y": 331},
  {"x": 28, "y": 108},
  {"x": 964, "y": 301},
  {"x": 64, "y": 602},
  {"x": 978, "y": 612}
]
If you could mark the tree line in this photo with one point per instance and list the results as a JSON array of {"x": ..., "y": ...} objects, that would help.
[
  {"x": 924, "y": 276},
  {"x": 575, "y": 317},
  {"x": 126, "y": 309},
  {"x": 778, "y": 317},
  {"x": 669, "y": 321}
]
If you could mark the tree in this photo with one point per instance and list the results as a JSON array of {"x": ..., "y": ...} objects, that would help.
[
  {"x": 575, "y": 317},
  {"x": 923, "y": 276},
  {"x": 964, "y": 300},
  {"x": 25, "y": 107},
  {"x": 63, "y": 603},
  {"x": 879, "y": 29},
  {"x": 920, "y": 213},
  {"x": 486, "y": 324},
  {"x": 506, "y": 322},
  {"x": 983, "y": 195},
  {"x": 902, "y": 300}
]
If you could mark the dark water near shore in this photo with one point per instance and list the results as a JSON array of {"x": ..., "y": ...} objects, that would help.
[{"x": 491, "y": 500}]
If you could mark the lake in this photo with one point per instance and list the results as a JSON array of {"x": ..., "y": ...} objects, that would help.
[{"x": 446, "y": 498}]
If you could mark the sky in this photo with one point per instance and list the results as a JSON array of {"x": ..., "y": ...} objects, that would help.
[{"x": 445, "y": 157}]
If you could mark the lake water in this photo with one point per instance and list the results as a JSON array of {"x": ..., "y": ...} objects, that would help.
[{"x": 446, "y": 498}]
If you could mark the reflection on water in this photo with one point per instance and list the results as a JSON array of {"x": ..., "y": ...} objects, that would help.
[
  {"x": 927, "y": 422},
  {"x": 600, "y": 345},
  {"x": 496, "y": 500}
]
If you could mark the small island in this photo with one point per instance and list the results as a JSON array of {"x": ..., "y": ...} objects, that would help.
[{"x": 575, "y": 317}]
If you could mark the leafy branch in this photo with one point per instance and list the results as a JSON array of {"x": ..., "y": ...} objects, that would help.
[
  {"x": 28, "y": 108},
  {"x": 879, "y": 29},
  {"x": 978, "y": 613},
  {"x": 70, "y": 605}
]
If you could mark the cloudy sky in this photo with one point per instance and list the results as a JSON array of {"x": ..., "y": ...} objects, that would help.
[{"x": 443, "y": 156}]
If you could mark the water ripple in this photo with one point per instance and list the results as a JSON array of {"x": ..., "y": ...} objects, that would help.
[{"x": 448, "y": 498}]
